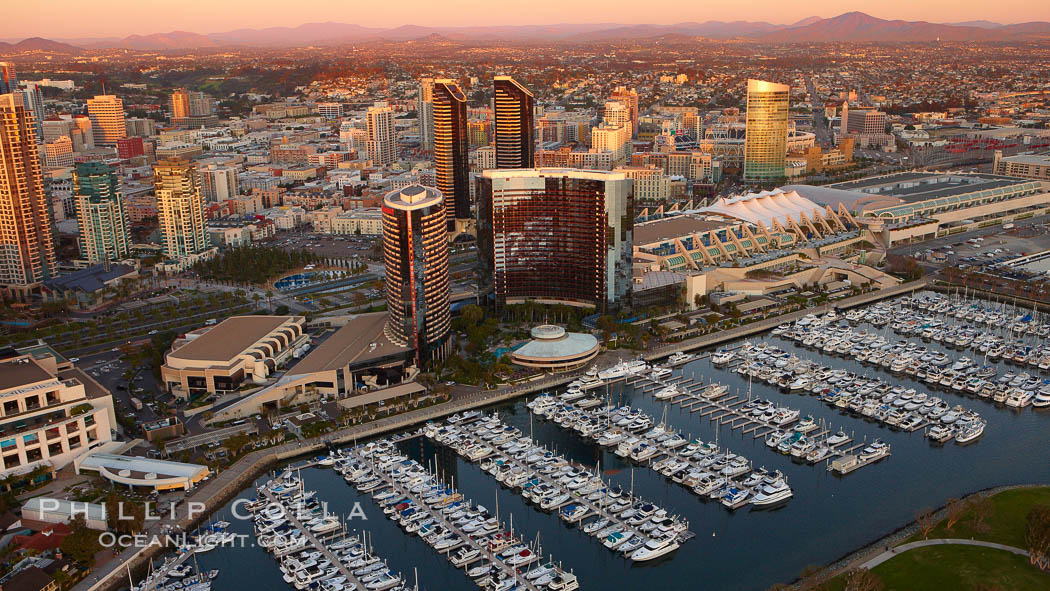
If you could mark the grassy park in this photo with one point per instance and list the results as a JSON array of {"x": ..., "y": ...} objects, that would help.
[{"x": 1001, "y": 518}]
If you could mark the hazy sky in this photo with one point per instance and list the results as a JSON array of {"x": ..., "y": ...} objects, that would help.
[{"x": 118, "y": 18}]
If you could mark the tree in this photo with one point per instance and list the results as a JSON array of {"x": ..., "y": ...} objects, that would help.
[
  {"x": 1037, "y": 536},
  {"x": 862, "y": 579},
  {"x": 956, "y": 508},
  {"x": 982, "y": 510},
  {"x": 82, "y": 544},
  {"x": 926, "y": 521},
  {"x": 124, "y": 517},
  {"x": 472, "y": 314}
]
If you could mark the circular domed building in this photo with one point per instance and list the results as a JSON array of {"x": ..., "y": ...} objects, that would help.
[{"x": 554, "y": 349}]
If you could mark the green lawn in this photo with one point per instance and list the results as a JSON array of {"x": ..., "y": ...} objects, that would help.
[
  {"x": 960, "y": 568},
  {"x": 1006, "y": 523}
]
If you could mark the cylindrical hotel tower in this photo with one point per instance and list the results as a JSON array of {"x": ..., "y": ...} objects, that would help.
[{"x": 415, "y": 249}]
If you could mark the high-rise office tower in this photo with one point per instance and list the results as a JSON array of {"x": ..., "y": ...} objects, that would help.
[
  {"x": 515, "y": 143},
  {"x": 219, "y": 183},
  {"x": 415, "y": 250},
  {"x": 87, "y": 133},
  {"x": 8, "y": 78},
  {"x": 425, "y": 113},
  {"x": 107, "y": 119},
  {"x": 865, "y": 120},
  {"x": 180, "y": 103},
  {"x": 180, "y": 208},
  {"x": 556, "y": 236},
  {"x": 451, "y": 160},
  {"x": 617, "y": 113},
  {"x": 102, "y": 222},
  {"x": 765, "y": 139},
  {"x": 59, "y": 153},
  {"x": 32, "y": 98},
  {"x": 27, "y": 251},
  {"x": 190, "y": 108},
  {"x": 382, "y": 141},
  {"x": 629, "y": 97}
]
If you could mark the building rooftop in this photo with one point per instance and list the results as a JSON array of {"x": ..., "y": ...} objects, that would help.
[
  {"x": 34, "y": 509},
  {"x": 21, "y": 371},
  {"x": 141, "y": 468},
  {"x": 553, "y": 342},
  {"x": 360, "y": 340},
  {"x": 229, "y": 338},
  {"x": 674, "y": 227},
  {"x": 90, "y": 279},
  {"x": 1032, "y": 159}
]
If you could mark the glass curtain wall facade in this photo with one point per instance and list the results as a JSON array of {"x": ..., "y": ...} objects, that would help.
[
  {"x": 515, "y": 144},
  {"x": 451, "y": 165},
  {"x": 415, "y": 250},
  {"x": 765, "y": 140},
  {"x": 556, "y": 236},
  {"x": 102, "y": 221}
]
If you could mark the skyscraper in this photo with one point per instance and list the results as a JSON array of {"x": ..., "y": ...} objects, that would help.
[
  {"x": 382, "y": 141},
  {"x": 628, "y": 97},
  {"x": 190, "y": 108},
  {"x": 218, "y": 183},
  {"x": 27, "y": 252},
  {"x": 107, "y": 119},
  {"x": 617, "y": 113},
  {"x": 8, "y": 78},
  {"x": 451, "y": 164},
  {"x": 180, "y": 103},
  {"x": 415, "y": 250},
  {"x": 556, "y": 235},
  {"x": 515, "y": 144},
  {"x": 102, "y": 222},
  {"x": 32, "y": 98},
  {"x": 765, "y": 139},
  {"x": 180, "y": 208},
  {"x": 425, "y": 113}
]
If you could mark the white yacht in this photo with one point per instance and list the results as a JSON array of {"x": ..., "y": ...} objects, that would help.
[
  {"x": 772, "y": 493},
  {"x": 654, "y": 549}
]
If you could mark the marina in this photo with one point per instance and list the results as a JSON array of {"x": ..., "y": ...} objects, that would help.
[
  {"x": 877, "y": 499},
  {"x": 710, "y": 472},
  {"x": 313, "y": 548},
  {"x": 442, "y": 517},
  {"x": 551, "y": 483}
]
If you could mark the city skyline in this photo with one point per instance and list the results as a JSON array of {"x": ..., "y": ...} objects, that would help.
[{"x": 26, "y": 21}]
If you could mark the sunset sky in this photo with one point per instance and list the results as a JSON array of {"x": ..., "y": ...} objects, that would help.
[{"x": 118, "y": 18}]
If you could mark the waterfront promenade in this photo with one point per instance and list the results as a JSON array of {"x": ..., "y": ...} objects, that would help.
[
  {"x": 938, "y": 542},
  {"x": 225, "y": 485}
]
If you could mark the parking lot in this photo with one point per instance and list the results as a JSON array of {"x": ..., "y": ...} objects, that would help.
[
  {"x": 995, "y": 246},
  {"x": 327, "y": 245}
]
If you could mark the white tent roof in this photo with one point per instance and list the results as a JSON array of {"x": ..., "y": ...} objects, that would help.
[{"x": 763, "y": 207}]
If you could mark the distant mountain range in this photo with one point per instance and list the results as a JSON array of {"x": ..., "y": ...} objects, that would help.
[
  {"x": 860, "y": 27},
  {"x": 38, "y": 44},
  {"x": 851, "y": 26}
]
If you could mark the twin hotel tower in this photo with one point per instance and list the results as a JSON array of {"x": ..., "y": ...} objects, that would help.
[{"x": 544, "y": 234}]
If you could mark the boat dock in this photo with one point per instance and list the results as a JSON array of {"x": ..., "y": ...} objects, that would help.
[
  {"x": 593, "y": 508},
  {"x": 724, "y": 409},
  {"x": 479, "y": 543},
  {"x": 316, "y": 542}
]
